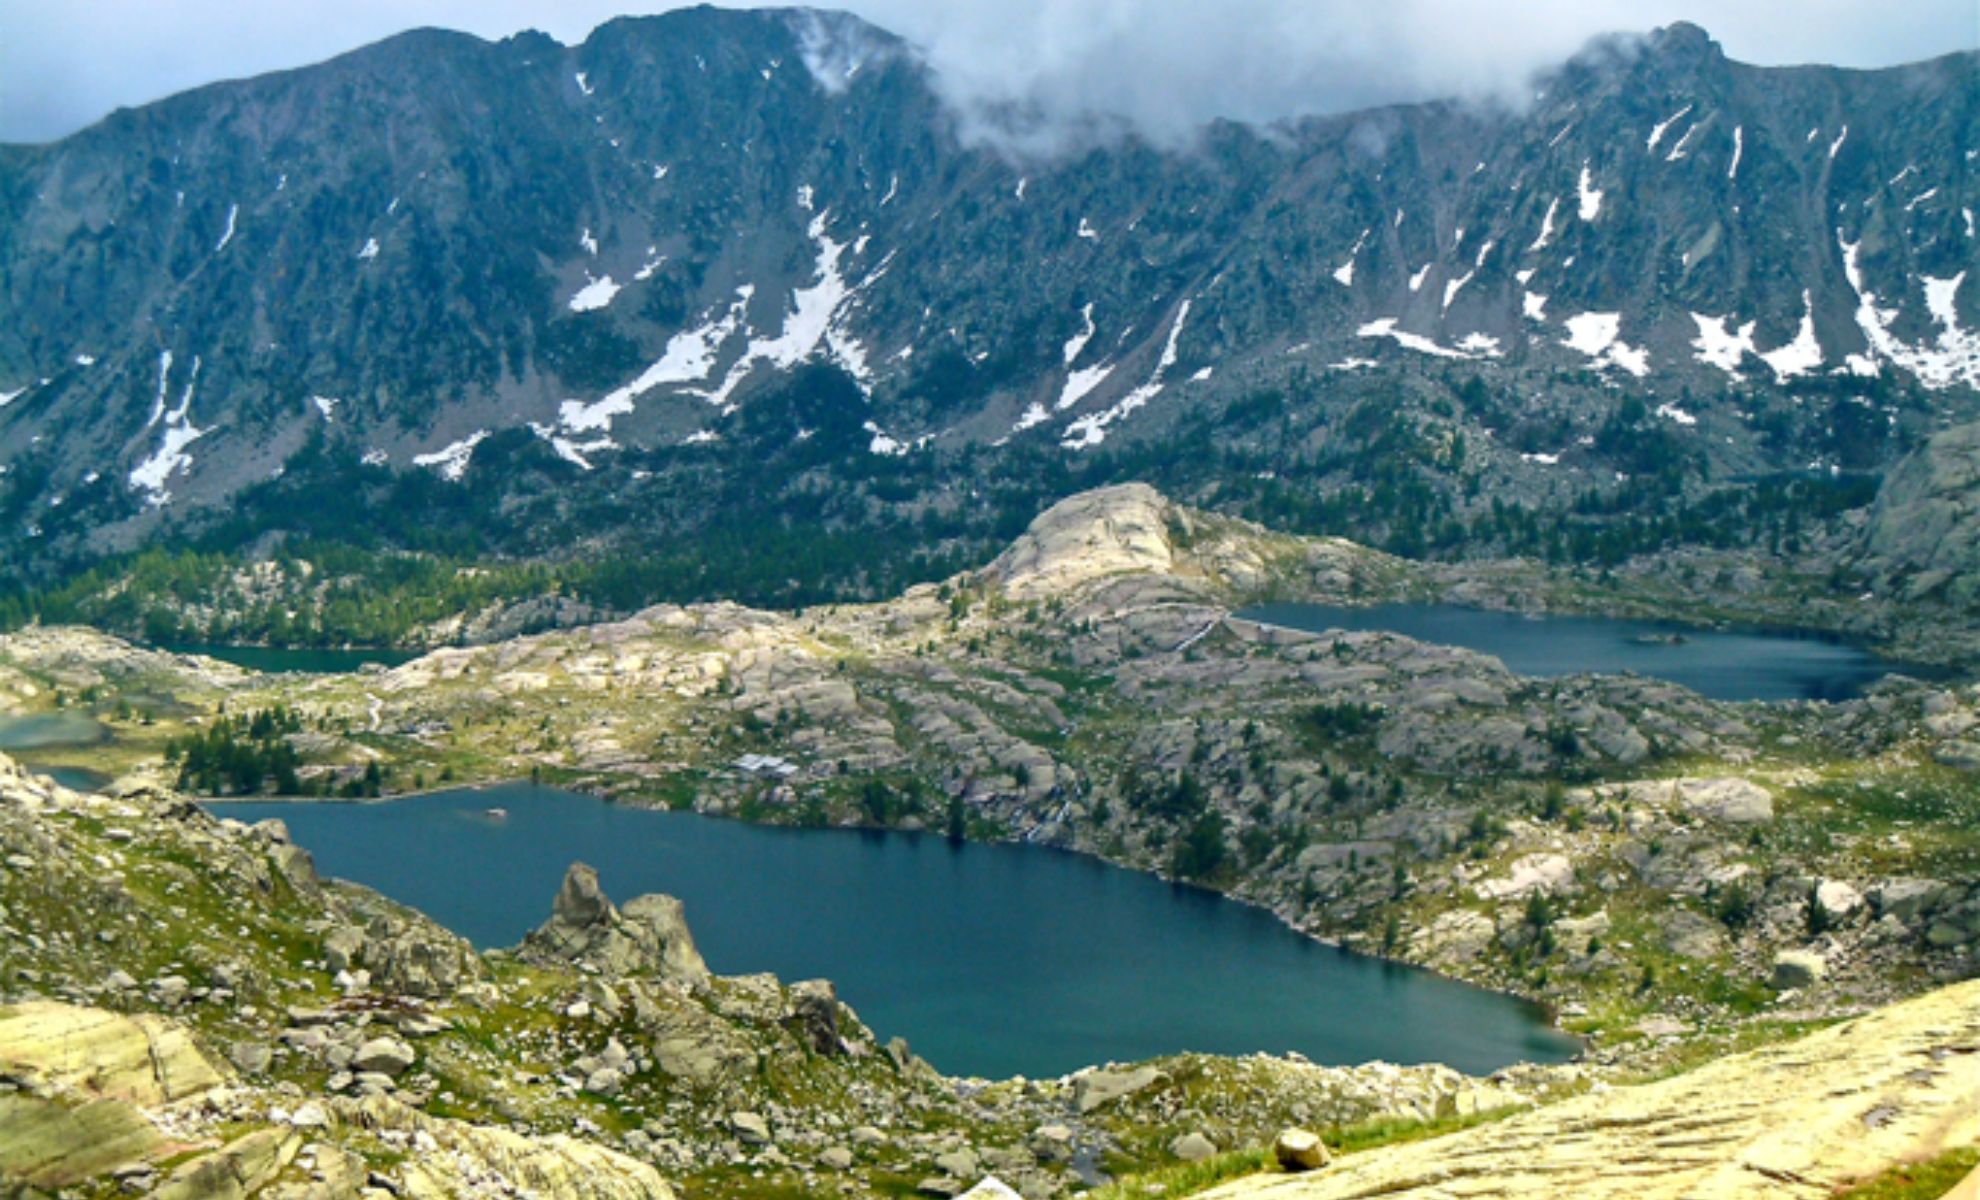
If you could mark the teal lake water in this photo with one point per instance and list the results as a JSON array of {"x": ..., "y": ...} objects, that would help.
[
  {"x": 990, "y": 960},
  {"x": 42, "y": 730},
  {"x": 1718, "y": 664},
  {"x": 280, "y": 660},
  {"x": 76, "y": 779}
]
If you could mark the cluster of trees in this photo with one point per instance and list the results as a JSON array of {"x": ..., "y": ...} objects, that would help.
[{"x": 238, "y": 755}]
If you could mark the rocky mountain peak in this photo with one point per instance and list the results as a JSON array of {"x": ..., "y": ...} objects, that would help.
[{"x": 1107, "y": 531}]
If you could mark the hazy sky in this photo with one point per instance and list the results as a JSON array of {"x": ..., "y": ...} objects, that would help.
[{"x": 1166, "y": 65}]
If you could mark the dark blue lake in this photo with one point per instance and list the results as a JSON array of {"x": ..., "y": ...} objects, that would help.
[
  {"x": 1718, "y": 664},
  {"x": 990, "y": 960}
]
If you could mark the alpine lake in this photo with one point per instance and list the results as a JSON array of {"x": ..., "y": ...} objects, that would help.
[{"x": 999, "y": 960}]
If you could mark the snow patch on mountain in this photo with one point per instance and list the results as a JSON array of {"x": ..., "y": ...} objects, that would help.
[
  {"x": 452, "y": 460},
  {"x": 595, "y": 294},
  {"x": 1953, "y": 357},
  {"x": 1657, "y": 133},
  {"x": 1091, "y": 429},
  {"x": 1720, "y": 345},
  {"x": 816, "y": 319},
  {"x": 1588, "y": 194},
  {"x": 1344, "y": 274},
  {"x": 688, "y": 358},
  {"x": 568, "y": 450},
  {"x": 1599, "y": 336},
  {"x": 1546, "y": 225},
  {"x": 1804, "y": 353},
  {"x": 1077, "y": 342},
  {"x": 1476, "y": 345},
  {"x": 170, "y": 458}
]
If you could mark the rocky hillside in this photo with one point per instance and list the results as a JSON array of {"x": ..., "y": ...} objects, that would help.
[
  {"x": 743, "y": 255},
  {"x": 186, "y": 1010},
  {"x": 1660, "y": 867}
]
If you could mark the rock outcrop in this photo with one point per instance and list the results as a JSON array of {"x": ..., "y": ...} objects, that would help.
[
  {"x": 1801, "y": 1119},
  {"x": 144, "y": 1060},
  {"x": 648, "y": 937},
  {"x": 1108, "y": 531},
  {"x": 1925, "y": 527}
]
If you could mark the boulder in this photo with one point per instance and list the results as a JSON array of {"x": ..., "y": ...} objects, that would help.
[
  {"x": 1909, "y": 899},
  {"x": 52, "y": 1145},
  {"x": 1550, "y": 874},
  {"x": 815, "y": 1016},
  {"x": 342, "y": 949},
  {"x": 1733, "y": 801},
  {"x": 1193, "y": 1147},
  {"x": 1798, "y": 969},
  {"x": 1094, "y": 1088},
  {"x": 385, "y": 1056},
  {"x": 239, "y": 1168},
  {"x": 991, "y": 1188},
  {"x": 750, "y": 1128},
  {"x": 412, "y": 958},
  {"x": 1838, "y": 898},
  {"x": 959, "y": 1163},
  {"x": 1300, "y": 1150}
]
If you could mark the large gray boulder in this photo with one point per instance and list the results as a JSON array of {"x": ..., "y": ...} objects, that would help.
[{"x": 649, "y": 936}]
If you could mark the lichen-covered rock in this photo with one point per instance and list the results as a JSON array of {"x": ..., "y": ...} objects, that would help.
[
  {"x": 1300, "y": 1150},
  {"x": 145, "y": 1060}
]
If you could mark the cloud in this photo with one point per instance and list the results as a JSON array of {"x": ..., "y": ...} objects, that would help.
[{"x": 1038, "y": 73}]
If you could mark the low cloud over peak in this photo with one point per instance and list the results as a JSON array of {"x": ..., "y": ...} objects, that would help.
[{"x": 1033, "y": 75}]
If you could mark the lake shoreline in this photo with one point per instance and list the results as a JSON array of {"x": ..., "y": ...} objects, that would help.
[{"x": 1547, "y": 1013}]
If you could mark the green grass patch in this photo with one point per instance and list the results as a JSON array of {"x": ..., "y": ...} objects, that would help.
[
  {"x": 1926, "y": 1180},
  {"x": 1186, "y": 1178}
]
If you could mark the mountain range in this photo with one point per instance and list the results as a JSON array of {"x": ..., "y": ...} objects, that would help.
[{"x": 741, "y": 265}]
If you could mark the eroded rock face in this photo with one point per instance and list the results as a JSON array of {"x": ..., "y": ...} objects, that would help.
[
  {"x": 1925, "y": 527},
  {"x": 1108, "y": 531},
  {"x": 648, "y": 937}
]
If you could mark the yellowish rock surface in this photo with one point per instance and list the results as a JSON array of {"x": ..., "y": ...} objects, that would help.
[{"x": 1801, "y": 1119}]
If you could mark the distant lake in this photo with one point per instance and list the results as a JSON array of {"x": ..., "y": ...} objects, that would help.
[
  {"x": 76, "y": 779},
  {"x": 283, "y": 660},
  {"x": 991, "y": 960},
  {"x": 1718, "y": 664},
  {"x": 42, "y": 730}
]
